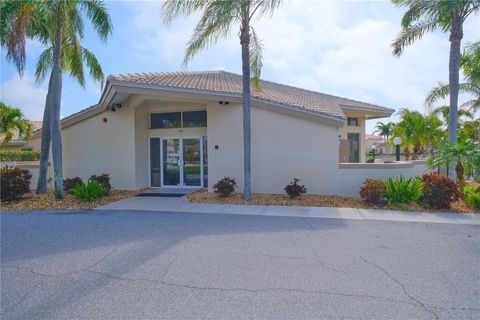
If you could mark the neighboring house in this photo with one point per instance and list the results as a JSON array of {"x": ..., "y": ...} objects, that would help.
[
  {"x": 377, "y": 141},
  {"x": 184, "y": 129},
  {"x": 19, "y": 144}
]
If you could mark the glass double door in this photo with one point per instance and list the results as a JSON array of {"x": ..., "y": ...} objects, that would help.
[{"x": 181, "y": 162}]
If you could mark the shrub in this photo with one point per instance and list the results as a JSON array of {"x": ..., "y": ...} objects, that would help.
[
  {"x": 472, "y": 196},
  {"x": 403, "y": 190},
  {"x": 19, "y": 155},
  {"x": 70, "y": 183},
  {"x": 373, "y": 191},
  {"x": 438, "y": 191},
  {"x": 225, "y": 187},
  {"x": 89, "y": 191},
  {"x": 294, "y": 189},
  {"x": 104, "y": 179},
  {"x": 15, "y": 183}
]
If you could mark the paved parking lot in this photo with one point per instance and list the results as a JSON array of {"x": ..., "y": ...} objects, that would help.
[{"x": 139, "y": 265}]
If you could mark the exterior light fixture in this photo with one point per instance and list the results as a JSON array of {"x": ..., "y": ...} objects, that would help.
[{"x": 397, "y": 141}]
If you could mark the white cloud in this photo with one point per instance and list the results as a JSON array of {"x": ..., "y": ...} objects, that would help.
[{"x": 24, "y": 94}]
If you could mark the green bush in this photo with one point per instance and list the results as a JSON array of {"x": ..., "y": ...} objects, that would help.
[
  {"x": 14, "y": 183},
  {"x": 225, "y": 186},
  {"x": 89, "y": 191},
  {"x": 70, "y": 183},
  {"x": 373, "y": 191},
  {"x": 294, "y": 189},
  {"x": 402, "y": 190},
  {"x": 472, "y": 196},
  {"x": 438, "y": 191},
  {"x": 19, "y": 155},
  {"x": 104, "y": 179}
]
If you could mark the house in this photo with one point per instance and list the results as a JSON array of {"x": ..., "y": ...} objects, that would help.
[
  {"x": 19, "y": 144},
  {"x": 185, "y": 130},
  {"x": 375, "y": 142}
]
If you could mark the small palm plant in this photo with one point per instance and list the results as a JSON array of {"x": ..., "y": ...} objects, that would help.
[
  {"x": 466, "y": 155},
  {"x": 12, "y": 120}
]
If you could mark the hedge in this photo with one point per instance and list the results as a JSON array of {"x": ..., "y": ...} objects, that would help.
[{"x": 19, "y": 155}]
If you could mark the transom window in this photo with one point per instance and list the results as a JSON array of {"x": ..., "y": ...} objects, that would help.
[
  {"x": 352, "y": 122},
  {"x": 185, "y": 119}
]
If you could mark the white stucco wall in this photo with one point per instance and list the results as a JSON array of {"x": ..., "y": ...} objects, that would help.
[
  {"x": 352, "y": 176},
  {"x": 283, "y": 147},
  {"x": 94, "y": 147}
]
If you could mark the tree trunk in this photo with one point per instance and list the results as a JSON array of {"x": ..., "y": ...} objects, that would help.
[
  {"x": 406, "y": 153},
  {"x": 56, "y": 92},
  {"x": 45, "y": 142},
  {"x": 456, "y": 35},
  {"x": 460, "y": 179},
  {"x": 245, "y": 42}
]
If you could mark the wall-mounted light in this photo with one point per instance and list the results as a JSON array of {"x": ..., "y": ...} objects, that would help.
[{"x": 223, "y": 103}]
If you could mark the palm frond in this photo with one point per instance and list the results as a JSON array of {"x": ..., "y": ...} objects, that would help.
[
  {"x": 256, "y": 59},
  {"x": 409, "y": 35},
  {"x": 94, "y": 66},
  {"x": 441, "y": 91},
  {"x": 44, "y": 64},
  {"x": 99, "y": 17},
  {"x": 174, "y": 9},
  {"x": 214, "y": 25}
]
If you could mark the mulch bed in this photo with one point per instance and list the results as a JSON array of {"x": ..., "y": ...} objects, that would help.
[
  {"x": 309, "y": 200},
  {"x": 32, "y": 201}
]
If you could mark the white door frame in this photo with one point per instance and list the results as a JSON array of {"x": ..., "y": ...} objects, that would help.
[{"x": 181, "y": 160}]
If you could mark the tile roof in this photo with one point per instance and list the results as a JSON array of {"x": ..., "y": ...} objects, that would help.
[
  {"x": 36, "y": 125},
  {"x": 231, "y": 83}
]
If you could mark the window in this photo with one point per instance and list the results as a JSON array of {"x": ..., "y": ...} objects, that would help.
[
  {"x": 190, "y": 119},
  {"x": 165, "y": 120},
  {"x": 352, "y": 122},
  {"x": 194, "y": 119}
]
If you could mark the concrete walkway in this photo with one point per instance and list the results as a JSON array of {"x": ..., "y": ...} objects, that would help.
[{"x": 184, "y": 206}]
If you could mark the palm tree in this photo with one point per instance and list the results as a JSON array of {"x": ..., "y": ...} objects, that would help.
[
  {"x": 59, "y": 25},
  {"x": 466, "y": 154},
  {"x": 217, "y": 18},
  {"x": 384, "y": 130},
  {"x": 417, "y": 131},
  {"x": 12, "y": 121},
  {"x": 445, "y": 15}
]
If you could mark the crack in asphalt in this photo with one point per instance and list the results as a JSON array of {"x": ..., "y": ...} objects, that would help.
[
  {"x": 402, "y": 286},
  {"x": 320, "y": 261}
]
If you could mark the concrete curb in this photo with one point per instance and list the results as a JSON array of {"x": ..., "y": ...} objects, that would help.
[{"x": 180, "y": 205}]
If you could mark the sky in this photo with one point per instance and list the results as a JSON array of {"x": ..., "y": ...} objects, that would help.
[{"x": 334, "y": 47}]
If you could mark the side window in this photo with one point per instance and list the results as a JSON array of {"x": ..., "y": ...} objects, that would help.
[
  {"x": 352, "y": 122},
  {"x": 165, "y": 120},
  {"x": 194, "y": 119}
]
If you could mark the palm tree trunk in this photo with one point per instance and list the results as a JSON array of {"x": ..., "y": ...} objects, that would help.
[
  {"x": 56, "y": 91},
  {"x": 45, "y": 143},
  {"x": 245, "y": 42},
  {"x": 460, "y": 178},
  {"x": 456, "y": 35}
]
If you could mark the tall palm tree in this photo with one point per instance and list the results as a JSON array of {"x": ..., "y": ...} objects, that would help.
[
  {"x": 59, "y": 25},
  {"x": 448, "y": 16},
  {"x": 217, "y": 18},
  {"x": 13, "y": 121}
]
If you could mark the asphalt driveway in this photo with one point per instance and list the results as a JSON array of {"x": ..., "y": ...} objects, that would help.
[{"x": 146, "y": 265}]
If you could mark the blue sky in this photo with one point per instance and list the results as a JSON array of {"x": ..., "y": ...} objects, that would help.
[{"x": 335, "y": 47}]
